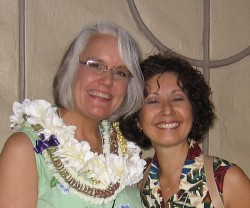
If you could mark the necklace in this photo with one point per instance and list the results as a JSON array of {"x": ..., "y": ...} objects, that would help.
[{"x": 92, "y": 177}]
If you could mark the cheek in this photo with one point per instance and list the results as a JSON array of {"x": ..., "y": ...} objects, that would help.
[
  {"x": 146, "y": 116},
  {"x": 120, "y": 90},
  {"x": 83, "y": 79},
  {"x": 145, "y": 119},
  {"x": 85, "y": 74},
  {"x": 78, "y": 78},
  {"x": 188, "y": 112}
]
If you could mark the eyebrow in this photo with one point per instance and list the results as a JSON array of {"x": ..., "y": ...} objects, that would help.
[
  {"x": 178, "y": 91},
  {"x": 95, "y": 59},
  {"x": 103, "y": 62},
  {"x": 174, "y": 91}
]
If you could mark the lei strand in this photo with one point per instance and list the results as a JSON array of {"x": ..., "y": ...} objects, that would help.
[{"x": 95, "y": 178}]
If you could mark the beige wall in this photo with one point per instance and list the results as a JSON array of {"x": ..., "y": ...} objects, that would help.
[
  {"x": 186, "y": 27},
  {"x": 9, "y": 46}
]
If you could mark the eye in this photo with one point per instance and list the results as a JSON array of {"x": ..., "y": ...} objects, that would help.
[
  {"x": 121, "y": 73},
  {"x": 150, "y": 101},
  {"x": 178, "y": 98},
  {"x": 94, "y": 65}
]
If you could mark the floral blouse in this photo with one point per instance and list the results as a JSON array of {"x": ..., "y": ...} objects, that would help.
[{"x": 193, "y": 191}]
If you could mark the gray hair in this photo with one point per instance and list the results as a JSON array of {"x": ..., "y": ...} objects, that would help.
[{"x": 62, "y": 84}]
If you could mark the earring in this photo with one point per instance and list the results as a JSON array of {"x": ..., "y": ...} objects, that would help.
[{"x": 138, "y": 126}]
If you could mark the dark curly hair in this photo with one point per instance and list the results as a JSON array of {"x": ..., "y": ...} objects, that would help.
[{"x": 191, "y": 81}]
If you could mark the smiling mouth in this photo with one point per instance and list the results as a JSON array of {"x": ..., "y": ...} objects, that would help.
[
  {"x": 99, "y": 95},
  {"x": 167, "y": 125}
]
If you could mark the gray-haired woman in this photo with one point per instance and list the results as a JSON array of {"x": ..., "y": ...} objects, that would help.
[{"x": 72, "y": 154}]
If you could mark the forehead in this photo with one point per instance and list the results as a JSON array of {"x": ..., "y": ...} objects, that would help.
[
  {"x": 100, "y": 42},
  {"x": 103, "y": 47},
  {"x": 165, "y": 79}
]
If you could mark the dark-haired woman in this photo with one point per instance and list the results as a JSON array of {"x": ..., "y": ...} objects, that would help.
[{"x": 176, "y": 114}]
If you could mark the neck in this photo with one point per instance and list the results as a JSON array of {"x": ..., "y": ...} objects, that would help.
[
  {"x": 87, "y": 129},
  {"x": 171, "y": 159}
]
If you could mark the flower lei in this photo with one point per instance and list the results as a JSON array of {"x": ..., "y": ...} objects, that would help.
[{"x": 94, "y": 178}]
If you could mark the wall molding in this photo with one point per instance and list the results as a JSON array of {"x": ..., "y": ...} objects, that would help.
[{"x": 195, "y": 62}]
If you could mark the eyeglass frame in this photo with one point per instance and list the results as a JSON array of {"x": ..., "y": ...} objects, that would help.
[{"x": 104, "y": 68}]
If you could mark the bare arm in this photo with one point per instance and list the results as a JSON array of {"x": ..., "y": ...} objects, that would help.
[
  {"x": 236, "y": 189},
  {"x": 18, "y": 173}
]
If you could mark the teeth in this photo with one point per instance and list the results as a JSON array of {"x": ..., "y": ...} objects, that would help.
[
  {"x": 99, "y": 94},
  {"x": 167, "y": 126}
]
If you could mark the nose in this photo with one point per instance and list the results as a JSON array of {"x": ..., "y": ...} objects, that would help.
[
  {"x": 167, "y": 109},
  {"x": 107, "y": 78}
]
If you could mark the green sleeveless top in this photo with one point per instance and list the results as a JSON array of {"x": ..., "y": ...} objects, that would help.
[{"x": 56, "y": 197}]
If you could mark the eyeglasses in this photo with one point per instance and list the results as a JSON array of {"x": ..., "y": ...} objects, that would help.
[{"x": 100, "y": 68}]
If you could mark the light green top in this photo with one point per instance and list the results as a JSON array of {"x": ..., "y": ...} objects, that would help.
[{"x": 57, "y": 197}]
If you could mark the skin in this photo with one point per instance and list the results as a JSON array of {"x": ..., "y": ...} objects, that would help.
[
  {"x": 166, "y": 115},
  {"x": 100, "y": 91},
  {"x": 18, "y": 172},
  {"x": 166, "y": 118}
]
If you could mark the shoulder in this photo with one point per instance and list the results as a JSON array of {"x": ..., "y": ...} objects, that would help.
[
  {"x": 236, "y": 188},
  {"x": 18, "y": 141},
  {"x": 17, "y": 149},
  {"x": 235, "y": 175}
]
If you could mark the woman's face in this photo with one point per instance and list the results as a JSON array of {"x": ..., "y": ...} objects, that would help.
[
  {"x": 166, "y": 115},
  {"x": 97, "y": 95}
]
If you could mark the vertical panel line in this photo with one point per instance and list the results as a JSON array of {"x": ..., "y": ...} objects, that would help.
[
  {"x": 22, "y": 81},
  {"x": 206, "y": 54}
]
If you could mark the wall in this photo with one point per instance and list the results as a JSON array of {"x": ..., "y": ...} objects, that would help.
[
  {"x": 9, "y": 61},
  {"x": 212, "y": 35}
]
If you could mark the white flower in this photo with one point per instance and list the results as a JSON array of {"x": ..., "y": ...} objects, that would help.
[
  {"x": 37, "y": 109},
  {"x": 97, "y": 169},
  {"x": 133, "y": 149},
  {"x": 74, "y": 154},
  {"x": 17, "y": 118},
  {"x": 117, "y": 167}
]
